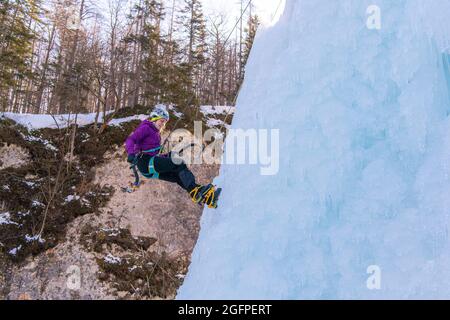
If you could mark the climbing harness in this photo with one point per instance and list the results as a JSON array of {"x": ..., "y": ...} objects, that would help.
[{"x": 153, "y": 174}]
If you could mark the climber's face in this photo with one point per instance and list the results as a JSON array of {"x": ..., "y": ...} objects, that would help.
[{"x": 161, "y": 123}]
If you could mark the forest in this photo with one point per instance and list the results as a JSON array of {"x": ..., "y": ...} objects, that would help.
[{"x": 80, "y": 56}]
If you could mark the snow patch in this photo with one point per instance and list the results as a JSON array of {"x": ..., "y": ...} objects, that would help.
[
  {"x": 131, "y": 269},
  {"x": 15, "y": 251},
  {"x": 175, "y": 112},
  {"x": 111, "y": 232},
  {"x": 40, "y": 121},
  {"x": 5, "y": 218},
  {"x": 213, "y": 123},
  {"x": 36, "y": 238},
  {"x": 71, "y": 198},
  {"x": 23, "y": 214},
  {"x": 36, "y": 203},
  {"x": 30, "y": 183},
  {"x": 217, "y": 110},
  {"x": 112, "y": 259},
  {"x": 118, "y": 122},
  {"x": 46, "y": 143}
]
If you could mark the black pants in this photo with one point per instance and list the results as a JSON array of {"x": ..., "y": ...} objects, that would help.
[{"x": 169, "y": 171}]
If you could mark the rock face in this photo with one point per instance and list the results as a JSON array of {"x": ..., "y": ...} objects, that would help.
[
  {"x": 158, "y": 209},
  {"x": 12, "y": 156},
  {"x": 52, "y": 275},
  {"x": 70, "y": 271}
]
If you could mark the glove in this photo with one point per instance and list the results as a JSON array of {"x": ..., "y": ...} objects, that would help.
[{"x": 131, "y": 158}]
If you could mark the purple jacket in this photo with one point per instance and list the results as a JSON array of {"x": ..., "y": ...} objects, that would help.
[{"x": 145, "y": 137}]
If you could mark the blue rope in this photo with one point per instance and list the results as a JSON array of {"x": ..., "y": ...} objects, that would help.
[{"x": 153, "y": 150}]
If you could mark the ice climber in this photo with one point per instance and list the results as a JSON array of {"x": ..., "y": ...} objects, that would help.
[{"x": 144, "y": 153}]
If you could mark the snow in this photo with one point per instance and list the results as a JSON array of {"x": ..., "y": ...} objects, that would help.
[
  {"x": 38, "y": 238},
  {"x": 217, "y": 110},
  {"x": 111, "y": 232},
  {"x": 24, "y": 214},
  {"x": 15, "y": 251},
  {"x": 210, "y": 111},
  {"x": 46, "y": 143},
  {"x": 175, "y": 112},
  {"x": 112, "y": 259},
  {"x": 212, "y": 123},
  {"x": 117, "y": 122},
  {"x": 133, "y": 268},
  {"x": 5, "y": 218},
  {"x": 364, "y": 175},
  {"x": 40, "y": 121},
  {"x": 178, "y": 114},
  {"x": 71, "y": 198},
  {"x": 36, "y": 203}
]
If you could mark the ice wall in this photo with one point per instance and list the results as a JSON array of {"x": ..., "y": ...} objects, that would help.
[{"x": 364, "y": 173}]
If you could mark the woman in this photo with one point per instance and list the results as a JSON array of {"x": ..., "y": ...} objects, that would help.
[{"x": 144, "y": 150}]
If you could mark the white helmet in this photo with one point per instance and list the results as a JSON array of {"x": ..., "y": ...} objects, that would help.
[{"x": 160, "y": 112}]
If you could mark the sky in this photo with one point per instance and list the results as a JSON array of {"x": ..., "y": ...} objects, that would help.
[{"x": 268, "y": 10}]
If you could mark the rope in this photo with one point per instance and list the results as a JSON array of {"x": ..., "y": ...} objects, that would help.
[
  {"x": 276, "y": 11},
  {"x": 193, "y": 96},
  {"x": 237, "y": 23},
  {"x": 235, "y": 98},
  {"x": 176, "y": 123},
  {"x": 237, "y": 94}
]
